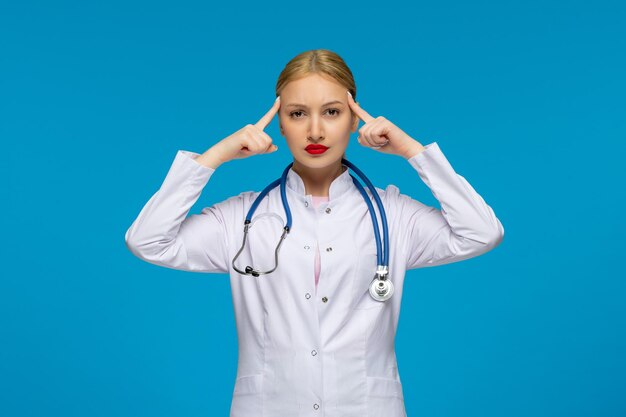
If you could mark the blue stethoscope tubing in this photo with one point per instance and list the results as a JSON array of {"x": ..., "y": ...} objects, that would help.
[{"x": 381, "y": 288}]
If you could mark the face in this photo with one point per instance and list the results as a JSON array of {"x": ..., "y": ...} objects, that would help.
[{"x": 314, "y": 110}]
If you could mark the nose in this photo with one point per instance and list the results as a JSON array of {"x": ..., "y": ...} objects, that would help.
[{"x": 316, "y": 131}]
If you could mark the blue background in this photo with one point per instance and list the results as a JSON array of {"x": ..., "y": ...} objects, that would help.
[{"x": 525, "y": 98}]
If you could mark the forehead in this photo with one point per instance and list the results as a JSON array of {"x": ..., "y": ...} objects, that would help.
[{"x": 313, "y": 89}]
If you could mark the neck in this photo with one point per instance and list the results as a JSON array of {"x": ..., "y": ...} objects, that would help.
[{"x": 317, "y": 180}]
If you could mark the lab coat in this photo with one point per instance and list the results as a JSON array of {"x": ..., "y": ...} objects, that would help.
[{"x": 304, "y": 351}]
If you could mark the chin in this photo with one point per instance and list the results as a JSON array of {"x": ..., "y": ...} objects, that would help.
[{"x": 319, "y": 161}]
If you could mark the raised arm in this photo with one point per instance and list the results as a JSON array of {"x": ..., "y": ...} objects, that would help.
[
  {"x": 162, "y": 234},
  {"x": 465, "y": 226}
]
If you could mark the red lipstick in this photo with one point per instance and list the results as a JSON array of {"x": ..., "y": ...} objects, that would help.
[{"x": 316, "y": 149}]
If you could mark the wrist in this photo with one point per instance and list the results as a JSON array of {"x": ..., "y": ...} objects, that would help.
[
  {"x": 209, "y": 159},
  {"x": 414, "y": 150}
]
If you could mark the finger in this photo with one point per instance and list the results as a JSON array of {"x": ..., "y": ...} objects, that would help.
[
  {"x": 253, "y": 141},
  {"x": 364, "y": 142},
  {"x": 368, "y": 139},
  {"x": 367, "y": 132},
  {"x": 271, "y": 148},
  {"x": 375, "y": 133},
  {"x": 381, "y": 145},
  {"x": 268, "y": 142},
  {"x": 262, "y": 142},
  {"x": 362, "y": 114},
  {"x": 267, "y": 118}
]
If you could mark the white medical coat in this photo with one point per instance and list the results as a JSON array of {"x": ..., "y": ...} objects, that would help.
[{"x": 306, "y": 352}]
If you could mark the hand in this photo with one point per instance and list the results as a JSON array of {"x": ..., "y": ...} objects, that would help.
[
  {"x": 382, "y": 135},
  {"x": 249, "y": 140}
]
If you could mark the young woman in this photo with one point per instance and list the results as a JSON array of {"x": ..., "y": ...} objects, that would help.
[{"x": 313, "y": 340}]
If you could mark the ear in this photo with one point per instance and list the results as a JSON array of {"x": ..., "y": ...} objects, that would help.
[
  {"x": 280, "y": 126},
  {"x": 355, "y": 122}
]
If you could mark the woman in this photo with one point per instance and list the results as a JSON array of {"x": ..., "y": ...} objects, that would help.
[{"x": 312, "y": 341}]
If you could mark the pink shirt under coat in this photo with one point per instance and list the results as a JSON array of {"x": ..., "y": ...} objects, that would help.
[{"x": 316, "y": 202}]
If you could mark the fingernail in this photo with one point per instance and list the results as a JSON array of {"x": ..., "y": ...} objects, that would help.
[
  {"x": 349, "y": 93},
  {"x": 277, "y": 98}
]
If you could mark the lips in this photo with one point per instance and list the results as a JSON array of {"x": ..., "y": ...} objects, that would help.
[{"x": 316, "y": 149}]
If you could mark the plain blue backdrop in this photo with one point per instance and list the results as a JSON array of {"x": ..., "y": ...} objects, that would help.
[{"x": 525, "y": 98}]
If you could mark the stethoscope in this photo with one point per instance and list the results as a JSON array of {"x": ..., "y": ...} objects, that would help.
[{"x": 381, "y": 288}]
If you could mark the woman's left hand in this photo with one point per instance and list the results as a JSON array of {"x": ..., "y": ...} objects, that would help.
[{"x": 380, "y": 134}]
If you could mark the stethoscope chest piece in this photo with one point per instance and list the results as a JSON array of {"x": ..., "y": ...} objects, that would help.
[{"x": 381, "y": 289}]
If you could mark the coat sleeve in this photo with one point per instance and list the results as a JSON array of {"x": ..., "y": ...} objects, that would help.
[
  {"x": 163, "y": 235},
  {"x": 465, "y": 226}
]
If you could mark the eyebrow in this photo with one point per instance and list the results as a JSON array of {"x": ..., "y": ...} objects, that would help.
[{"x": 306, "y": 107}]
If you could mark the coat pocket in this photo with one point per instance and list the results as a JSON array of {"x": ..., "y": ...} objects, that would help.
[
  {"x": 385, "y": 397},
  {"x": 364, "y": 275},
  {"x": 247, "y": 396},
  {"x": 250, "y": 384}
]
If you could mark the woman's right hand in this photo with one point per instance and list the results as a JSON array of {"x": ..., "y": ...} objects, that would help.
[{"x": 247, "y": 141}]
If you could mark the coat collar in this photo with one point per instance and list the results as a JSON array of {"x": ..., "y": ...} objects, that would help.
[{"x": 338, "y": 187}]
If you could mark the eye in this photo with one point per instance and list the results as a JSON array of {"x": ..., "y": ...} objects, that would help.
[{"x": 298, "y": 113}]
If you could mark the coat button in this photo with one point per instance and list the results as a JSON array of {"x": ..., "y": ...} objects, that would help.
[
  {"x": 307, "y": 247},
  {"x": 316, "y": 406},
  {"x": 324, "y": 299},
  {"x": 306, "y": 204},
  {"x": 314, "y": 352},
  {"x": 307, "y": 296},
  {"x": 328, "y": 249},
  {"x": 328, "y": 210}
]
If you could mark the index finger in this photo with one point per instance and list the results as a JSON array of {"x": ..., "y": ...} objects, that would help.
[
  {"x": 363, "y": 115},
  {"x": 267, "y": 118}
]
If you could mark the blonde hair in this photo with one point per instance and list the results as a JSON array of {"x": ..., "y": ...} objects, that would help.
[{"x": 317, "y": 61}]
